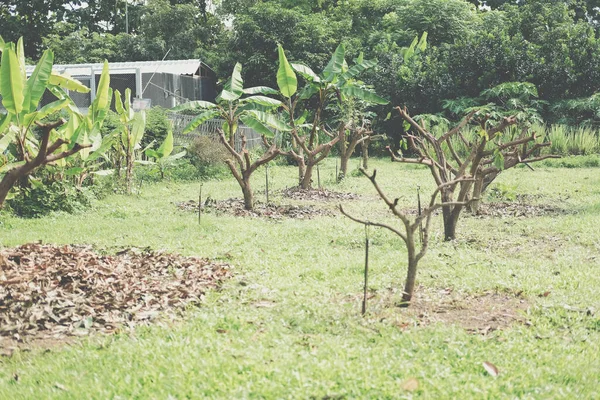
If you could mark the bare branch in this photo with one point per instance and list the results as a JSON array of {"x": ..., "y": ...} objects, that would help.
[{"x": 369, "y": 223}]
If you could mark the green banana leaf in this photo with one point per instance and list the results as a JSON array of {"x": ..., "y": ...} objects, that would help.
[
  {"x": 12, "y": 83},
  {"x": 286, "y": 78}
]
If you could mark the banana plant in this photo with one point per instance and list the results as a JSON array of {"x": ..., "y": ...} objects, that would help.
[
  {"x": 336, "y": 83},
  {"x": 131, "y": 133},
  {"x": 86, "y": 129},
  {"x": 251, "y": 107},
  {"x": 162, "y": 156},
  {"x": 21, "y": 96}
]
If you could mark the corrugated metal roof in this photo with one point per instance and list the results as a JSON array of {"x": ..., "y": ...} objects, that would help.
[{"x": 177, "y": 67}]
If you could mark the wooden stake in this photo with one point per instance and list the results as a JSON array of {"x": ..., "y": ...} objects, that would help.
[
  {"x": 336, "y": 171},
  {"x": 420, "y": 212},
  {"x": 267, "y": 181},
  {"x": 318, "y": 177},
  {"x": 364, "y": 304},
  {"x": 200, "y": 205}
]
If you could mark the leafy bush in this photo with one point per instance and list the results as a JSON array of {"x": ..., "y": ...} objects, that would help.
[
  {"x": 157, "y": 126},
  {"x": 208, "y": 156},
  {"x": 44, "y": 198}
]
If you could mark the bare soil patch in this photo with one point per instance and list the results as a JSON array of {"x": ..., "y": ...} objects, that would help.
[
  {"x": 477, "y": 313},
  {"x": 298, "y": 193},
  {"x": 236, "y": 208},
  {"x": 52, "y": 293}
]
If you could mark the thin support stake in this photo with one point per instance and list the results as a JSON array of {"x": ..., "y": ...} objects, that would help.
[
  {"x": 267, "y": 182},
  {"x": 364, "y": 304},
  {"x": 336, "y": 171},
  {"x": 200, "y": 205},
  {"x": 318, "y": 176},
  {"x": 420, "y": 212}
]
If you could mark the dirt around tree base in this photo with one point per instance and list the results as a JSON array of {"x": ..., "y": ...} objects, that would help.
[
  {"x": 51, "y": 293},
  {"x": 476, "y": 313},
  {"x": 236, "y": 208},
  {"x": 298, "y": 193}
]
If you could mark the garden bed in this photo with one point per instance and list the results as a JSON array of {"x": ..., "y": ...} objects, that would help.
[{"x": 236, "y": 208}]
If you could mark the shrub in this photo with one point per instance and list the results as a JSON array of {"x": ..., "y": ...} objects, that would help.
[
  {"x": 157, "y": 126},
  {"x": 44, "y": 198},
  {"x": 208, "y": 155}
]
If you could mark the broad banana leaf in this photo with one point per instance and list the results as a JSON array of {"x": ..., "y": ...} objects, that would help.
[
  {"x": 192, "y": 105},
  {"x": 6, "y": 140},
  {"x": 137, "y": 130},
  {"x": 286, "y": 78},
  {"x": 255, "y": 124},
  {"x": 37, "y": 82},
  {"x": 199, "y": 120},
  {"x": 269, "y": 120},
  {"x": 306, "y": 72},
  {"x": 102, "y": 100},
  {"x": 260, "y": 90},
  {"x": 237, "y": 84},
  {"x": 228, "y": 96},
  {"x": 12, "y": 83},
  {"x": 67, "y": 82},
  {"x": 363, "y": 94},
  {"x": 334, "y": 67},
  {"x": 166, "y": 148},
  {"x": 263, "y": 101}
]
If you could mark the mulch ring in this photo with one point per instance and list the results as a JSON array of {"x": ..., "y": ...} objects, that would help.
[
  {"x": 504, "y": 209},
  {"x": 476, "y": 313},
  {"x": 236, "y": 208},
  {"x": 51, "y": 293},
  {"x": 298, "y": 193}
]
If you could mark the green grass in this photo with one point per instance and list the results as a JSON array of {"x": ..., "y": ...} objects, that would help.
[{"x": 312, "y": 342}]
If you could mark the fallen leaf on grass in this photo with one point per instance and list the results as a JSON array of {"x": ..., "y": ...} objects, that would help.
[
  {"x": 411, "y": 384},
  {"x": 61, "y": 387},
  {"x": 491, "y": 368}
]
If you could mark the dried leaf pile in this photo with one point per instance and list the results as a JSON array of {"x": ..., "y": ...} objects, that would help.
[
  {"x": 298, "y": 193},
  {"x": 517, "y": 209},
  {"x": 51, "y": 291},
  {"x": 236, "y": 208}
]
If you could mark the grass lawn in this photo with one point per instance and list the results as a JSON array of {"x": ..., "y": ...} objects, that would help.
[{"x": 288, "y": 325}]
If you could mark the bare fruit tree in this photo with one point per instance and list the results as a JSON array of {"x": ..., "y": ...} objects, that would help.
[
  {"x": 464, "y": 177},
  {"x": 411, "y": 229}
]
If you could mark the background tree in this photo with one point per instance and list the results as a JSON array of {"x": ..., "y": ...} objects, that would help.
[{"x": 236, "y": 104}]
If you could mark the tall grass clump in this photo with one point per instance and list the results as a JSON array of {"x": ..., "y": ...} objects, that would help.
[
  {"x": 583, "y": 141},
  {"x": 558, "y": 135}
]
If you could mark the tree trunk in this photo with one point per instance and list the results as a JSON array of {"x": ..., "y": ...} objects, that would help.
[
  {"x": 365, "y": 153},
  {"x": 248, "y": 195},
  {"x": 129, "y": 172},
  {"x": 343, "y": 166},
  {"x": 473, "y": 206},
  {"x": 343, "y": 157},
  {"x": 306, "y": 181},
  {"x": 449, "y": 223},
  {"x": 411, "y": 276},
  {"x": 7, "y": 183}
]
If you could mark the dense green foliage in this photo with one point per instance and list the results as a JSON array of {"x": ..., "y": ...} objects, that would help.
[{"x": 551, "y": 44}]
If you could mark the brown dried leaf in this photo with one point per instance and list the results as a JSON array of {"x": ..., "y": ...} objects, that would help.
[
  {"x": 411, "y": 384},
  {"x": 491, "y": 368}
]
